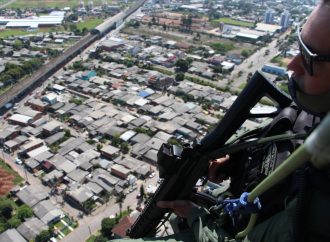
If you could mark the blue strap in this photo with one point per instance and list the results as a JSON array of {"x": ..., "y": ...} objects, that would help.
[{"x": 232, "y": 206}]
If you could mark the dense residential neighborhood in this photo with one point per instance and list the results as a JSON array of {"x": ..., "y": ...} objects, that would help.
[{"x": 85, "y": 140}]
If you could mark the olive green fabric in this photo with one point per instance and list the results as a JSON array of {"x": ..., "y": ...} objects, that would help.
[{"x": 278, "y": 228}]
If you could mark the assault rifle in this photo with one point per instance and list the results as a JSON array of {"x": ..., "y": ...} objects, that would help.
[{"x": 181, "y": 167}]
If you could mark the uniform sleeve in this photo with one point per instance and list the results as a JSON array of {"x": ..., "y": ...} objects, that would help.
[{"x": 205, "y": 228}]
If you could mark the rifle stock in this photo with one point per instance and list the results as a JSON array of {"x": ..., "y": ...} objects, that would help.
[{"x": 181, "y": 168}]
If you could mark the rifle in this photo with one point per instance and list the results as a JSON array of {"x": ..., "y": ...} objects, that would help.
[{"x": 181, "y": 167}]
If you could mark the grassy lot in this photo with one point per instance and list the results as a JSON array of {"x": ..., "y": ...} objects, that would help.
[
  {"x": 89, "y": 23},
  {"x": 233, "y": 22},
  {"x": 222, "y": 47},
  {"x": 13, "y": 32},
  {"x": 49, "y": 3},
  {"x": 17, "y": 32},
  {"x": 17, "y": 179}
]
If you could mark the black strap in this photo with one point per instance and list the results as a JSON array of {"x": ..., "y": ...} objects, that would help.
[{"x": 282, "y": 122}]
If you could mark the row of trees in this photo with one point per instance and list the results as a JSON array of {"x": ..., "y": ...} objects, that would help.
[{"x": 15, "y": 72}]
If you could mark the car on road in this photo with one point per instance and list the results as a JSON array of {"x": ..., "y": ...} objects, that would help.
[
  {"x": 132, "y": 189},
  {"x": 18, "y": 161},
  {"x": 152, "y": 175}
]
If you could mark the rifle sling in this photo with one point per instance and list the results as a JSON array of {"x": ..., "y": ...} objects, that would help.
[{"x": 233, "y": 148}]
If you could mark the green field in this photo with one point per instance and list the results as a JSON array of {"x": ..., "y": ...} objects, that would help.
[
  {"x": 89, "y": 23},
  {"x": 233, "y": 22},
  {"x": 17, "y": 32},
  {"x": 12, "y": 32},
  {"x": 49, "y": 3}
]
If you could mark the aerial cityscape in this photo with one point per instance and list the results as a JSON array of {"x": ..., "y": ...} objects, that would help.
[{"x": 91, "y": 89}]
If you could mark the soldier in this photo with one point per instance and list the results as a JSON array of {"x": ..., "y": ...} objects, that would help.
[{"x": 298, "y": 209}]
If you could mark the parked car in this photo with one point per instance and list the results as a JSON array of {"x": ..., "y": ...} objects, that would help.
[{"x": 18, "y": 161}]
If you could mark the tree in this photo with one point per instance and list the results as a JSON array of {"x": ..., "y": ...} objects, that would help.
[
  {"x": 142, "y": 192},
  {"x": 198, "y": 36},
  {"x": 99, "y": 147},
  {"x": 14, "y": 222},
  {"x": 84, "y": 30},
  {"x": 67, "y": 133},
  {"x": 116, "y": 140},
  {"x": 75, "y": 101},
  {"x": 24, "y": 212},
  {"x": 182, "y": 64},
  {"x": 44, "y": 236},
  {"x": 18, "y": 44},
  {"x": 120, "y": 200},
  {"x": 73, "y": 27},
  {"x": 101, "y": 238},
  {"x": 179, "y": 77},
  {"x": 73, "y": 17},
  {"x": 245, "y": 53},
  {"x": 184, "y": 21},
  {"x": 124, "y": 147},
  {"x": 6, "y": 209},
  {"x": 189, "y": 21},
  {"x": 106, "y": 226},
  {"x": 153, "y": 20}
]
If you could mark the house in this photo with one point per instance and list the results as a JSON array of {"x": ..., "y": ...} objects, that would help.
[
  {"x": 160, "y": 82},
  {"x": 276, "y": 70},
  {"x": 26, "y": 111},
  {"x": 120, "y": 171},
  {"x": 31, "y": 228},
  {"x": 119, "y": 230},
  {"x": 127, "y": 135},
  {"x": 8, "y": 134},
  {"x": 140, "y": 138},
  {"x": 227, "y": 66},
  {"x": 50, "y": 98},
  {"x": 10, "y": 146},
  {"x": 51, "y": 128},
  {"x": 57, "y": 88},
  {"x": 11, "y": 235},
  {"x": 54, "y": 138},
  {"x": 88, "y": 75},
  {"x": 20, "y": 119},
  {"x": 33, "y": 144},
  {"x": 47, "y": 212},
  {"x": 95, "y": 188},
  {"x": 63, "y": 164},
  {"x": 78, "y": 176},
  {"x": 38, "y": 105},
  {"x": 32, "y": 165},
  {"x": 80, "y": 197},
  {"x": 31, "y": 195},
  {"x": 110, "y": 151},
  {"x": 151, "y": 156},
  {"x": 112, "y": 44}
]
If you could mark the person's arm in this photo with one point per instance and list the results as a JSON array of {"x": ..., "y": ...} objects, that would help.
[{"x": 204, "y": 227}]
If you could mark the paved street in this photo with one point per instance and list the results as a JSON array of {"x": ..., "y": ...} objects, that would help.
[
  {"x": 254, "y": 63},
  {"x": 92, "y": 223},
  {"x": 35, "y": 182}
]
